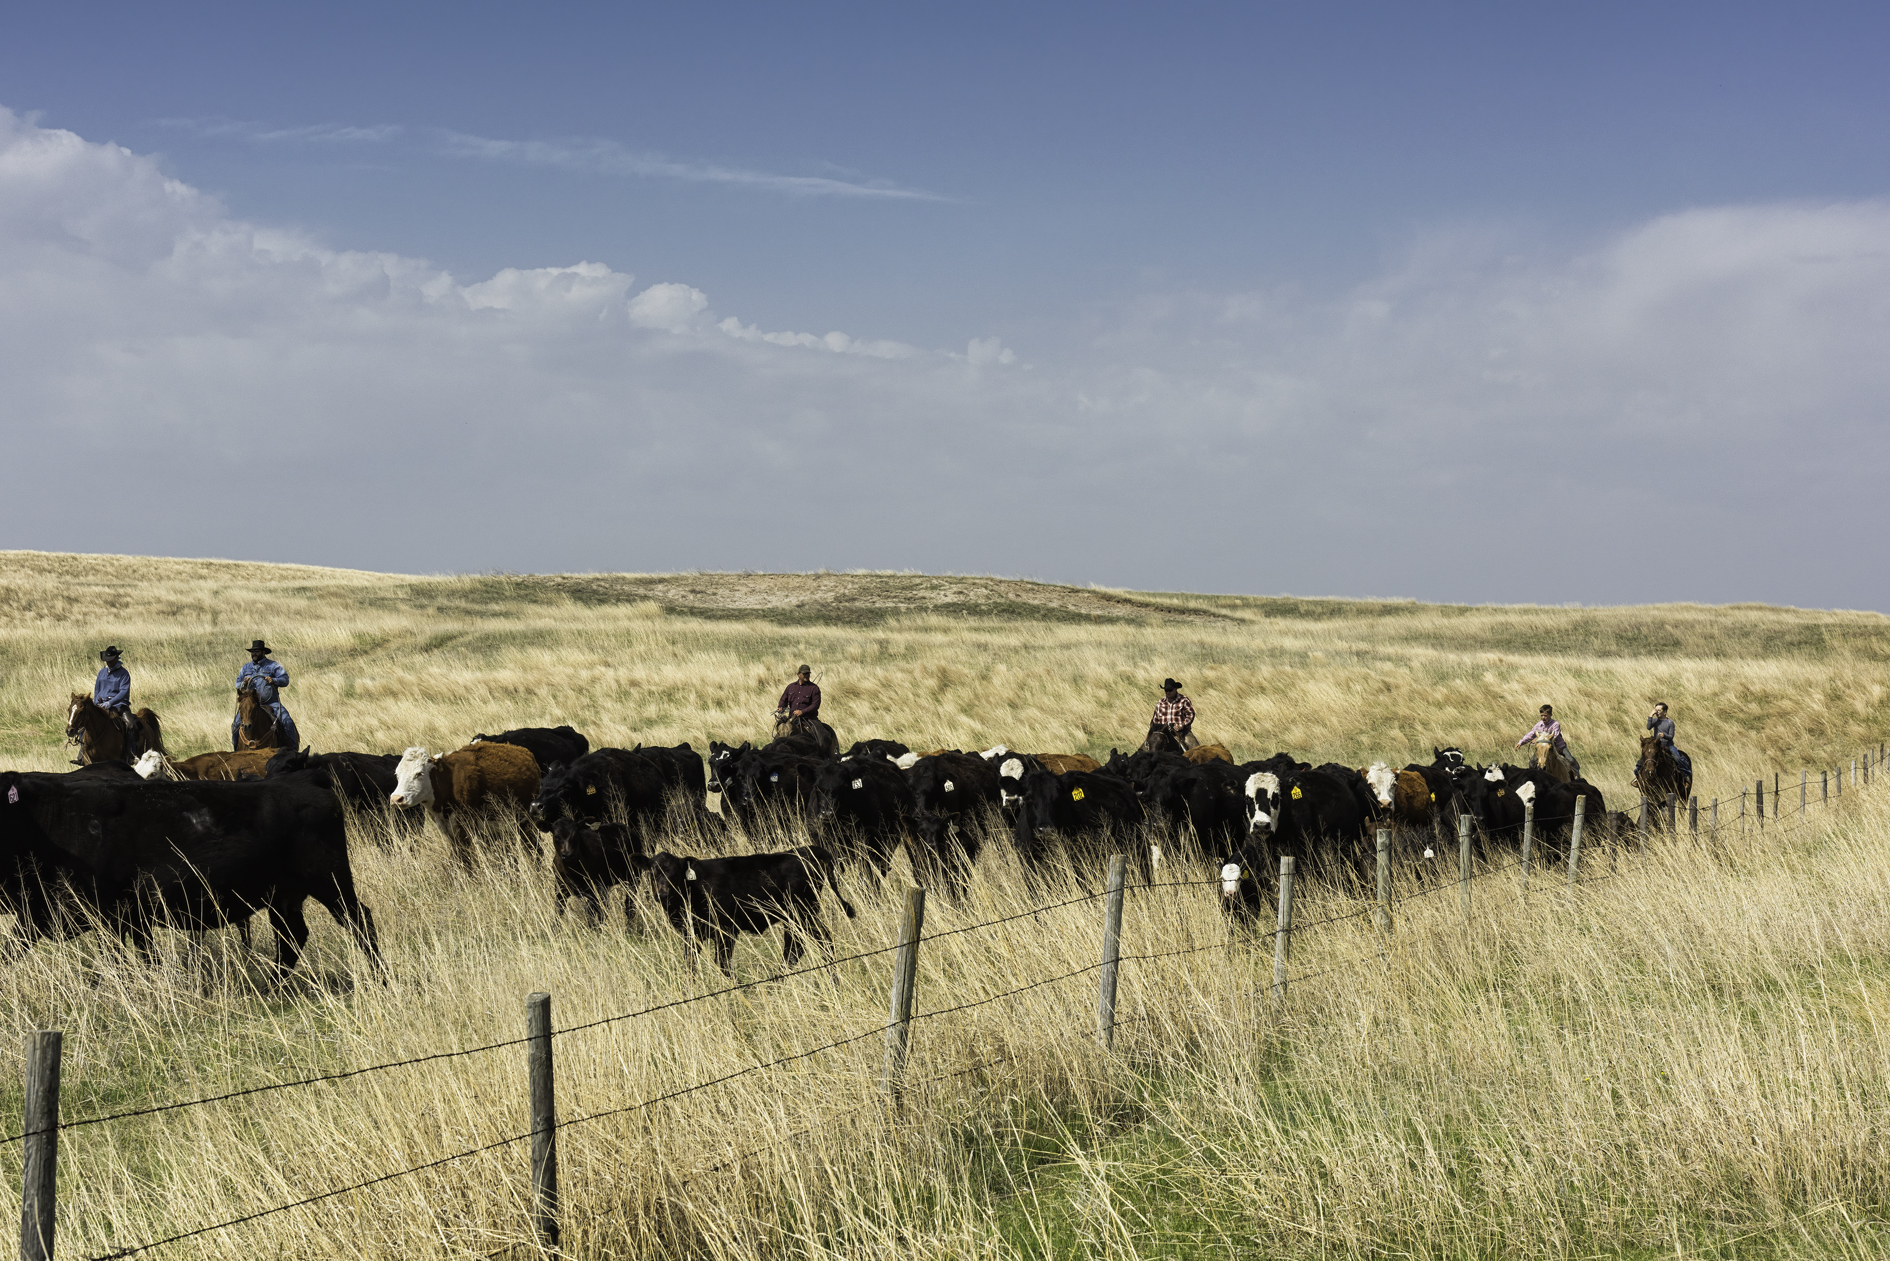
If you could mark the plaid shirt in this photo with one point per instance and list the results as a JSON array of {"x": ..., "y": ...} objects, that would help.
[{"x": 1175, "y": 715}]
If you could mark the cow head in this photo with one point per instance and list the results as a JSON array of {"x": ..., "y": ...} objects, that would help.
[
  {"x": 996, "y": 750},
  {"x": 1450, "y": 759},
  {"x": 413, "y": 778},
  {"x": 149, "y": 764},
  {"x": 1011, "y": 781},
  {"x": 1382, "y": 779},
  {"x": 568, "y": 792},
  {"x": 1262, "y": 788}
]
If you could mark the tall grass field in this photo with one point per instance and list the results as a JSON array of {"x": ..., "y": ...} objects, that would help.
[{"x": 1688, "y": 1055}]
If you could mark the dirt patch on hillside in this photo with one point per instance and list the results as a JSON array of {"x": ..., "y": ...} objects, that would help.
[{"x": 860, "y": 597}]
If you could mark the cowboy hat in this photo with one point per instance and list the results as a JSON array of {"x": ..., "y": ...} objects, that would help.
[
  {"x": 802, "y": 670},
  {"x": 1169, "y": 685},
  {"x": 257, "y": 645},
  {"x": 110, "y": 654}
]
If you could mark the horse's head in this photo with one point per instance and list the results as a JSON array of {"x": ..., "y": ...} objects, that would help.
[{"x": 75, "y": 715}]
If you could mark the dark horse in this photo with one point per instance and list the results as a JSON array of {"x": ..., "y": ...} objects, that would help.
[
  {"x": 1162, "y": 740},
  {"x": 825, "y": 742},
  {"x": 1660, "y": 774},
  {"x": 256, "y": 726},
  {"x": 99, "y": 736}
]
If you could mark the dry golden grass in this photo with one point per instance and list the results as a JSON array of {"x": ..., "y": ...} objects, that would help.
[{"x": 1688, "y": 1058}]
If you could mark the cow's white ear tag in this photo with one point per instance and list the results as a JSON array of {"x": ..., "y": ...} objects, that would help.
[
  {"x": 775, "y": 778},
  {"x": 692, "y": 873},
  {"x": 13, "y": 794},
  {"x": 859, "y": 783},
  {"x": 950, "y": 787}
]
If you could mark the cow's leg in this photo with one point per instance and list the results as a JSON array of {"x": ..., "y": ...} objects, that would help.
[
  {"x": 791, "y": 948},
  {"x": 724, "y": 949},
  {"x": 352, "y": 913},
  {"x": 291, "y": 929}
]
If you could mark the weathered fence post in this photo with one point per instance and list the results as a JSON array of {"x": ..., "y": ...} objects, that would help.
[
  {"x": 1283, "y": 936},
  {"x": 1528, "y": 839},
  {"x": 1804, "y": 779},
  {"x": 1824, "y": 787},
  {"x": 1575, "y": 839},
  {"x": 544, "y": 1120},
  {"x": 1463, "y": 863},
  {"x": 905, "y": 972},
  {"x": 1111, "y": 953},
  {"x": 1758, "y": 795},
  {"x": 1715, "y": 823},
  {"x": 1742, "y": 811},
  {"x": 1693, "y": 817},
  {"x": 1384, "y": 880},
  {"x": 40, "y": 1159},
  {"x": 1673, "y": 808}
]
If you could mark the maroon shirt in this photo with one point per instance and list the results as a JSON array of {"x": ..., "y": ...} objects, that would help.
[{"x": 803, "y": 696}]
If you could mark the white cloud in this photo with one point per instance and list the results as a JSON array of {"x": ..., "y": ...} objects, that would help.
[
  {"x": 607, "y": 157},
  {"x": 261, "y": 133},
  {"x": 670, "y": 307},
  {"x": 1691, "y": 409}
]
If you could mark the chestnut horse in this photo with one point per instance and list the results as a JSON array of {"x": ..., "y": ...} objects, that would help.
[
  {"x": 256, "y": 726},
  {"x": 1551, "y": 762},
  {"x": 98, "y": 735},
  {"x": 1660, "y": 774}
]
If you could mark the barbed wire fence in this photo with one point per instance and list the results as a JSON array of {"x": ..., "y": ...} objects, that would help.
[{"x": 41, "y": 1126}]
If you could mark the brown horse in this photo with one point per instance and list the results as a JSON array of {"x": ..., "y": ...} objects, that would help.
[
  {"x": 1659, "y": 774},
  {"x": 98, "y": 735},
  {"x": 256, "y": 726},
  {"x": 1550, "y": 760}
]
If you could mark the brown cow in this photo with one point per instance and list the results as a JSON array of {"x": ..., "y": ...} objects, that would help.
[
  {"x": 1407, "y": 794},
  {"x": 221, "y": 766},
  {"x": 1209, "y": 753},
  {"x": 458, "y": 787},
  {"x": 1064, "y": 763}
]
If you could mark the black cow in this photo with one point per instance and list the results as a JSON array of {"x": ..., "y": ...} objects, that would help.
[
  {"x": 1356, "y": 784},
  {"x": 771, "y": 782},
  {"x": 681, "y": 769},
  {"x": 866, "y": 805},
  {"x": 590, "y": 789},
  {"x": 1084, "y": 808},
  {"x": 193, "y": 855},
  {"x": 587, "y": 862},
  {"x": 951, "y": 794},
  {"x": 722, "y": 898},
  {"x": 1555, "y": 816},
  {"x": 547, "y": 745},
  {"x": 890, "y": 749},
  {"x": 364, "y": 780},
  {"x": 1207, "y": 799}
]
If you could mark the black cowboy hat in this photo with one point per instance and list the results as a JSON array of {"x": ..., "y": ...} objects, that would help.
[
  {"x": 1169, "y": 685},
  {"x": 257, "y": 645},
  {"x": 110, "y": 654},
  {"x": 802, "y": 670}
]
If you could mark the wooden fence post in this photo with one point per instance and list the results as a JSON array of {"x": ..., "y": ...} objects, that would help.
[
  {"x": 1758, "y": 795},
  {"x": 1463, "y": 863},
  {"x": 1283, "y": 936},
  {"x": 544, "y": 1120},
  {"x": 1575, "y": 839},
  {"x": 1715, "y": 823},
  {"x": 1693, "y": 817},
  {"x": 39, "y": 1163},
  {"x": 1111, "y": 953},
  {"x": 1673, "y": 807},
  {"x": 1528, "y": 839},
  {"x": 905, "y": 972},
  {"x": 1384, "y": 880},
  {"x": 1824, "y": 787},
  {"x": 1804, "y": 779}
]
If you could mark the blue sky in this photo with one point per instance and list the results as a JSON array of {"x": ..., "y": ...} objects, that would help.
[{"x": 1336, "y": 283}]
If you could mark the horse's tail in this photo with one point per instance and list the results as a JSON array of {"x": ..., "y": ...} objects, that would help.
[{"x": 153, "y": 731}]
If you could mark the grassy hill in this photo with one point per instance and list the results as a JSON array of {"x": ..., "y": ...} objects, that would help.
[{"x": 1687, "y": 1057}]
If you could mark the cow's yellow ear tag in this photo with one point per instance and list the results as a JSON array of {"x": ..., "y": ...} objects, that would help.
[
  {"x": 590, "y": 790},
  {"x": 1076, "y": 794},
  {"x": 1499, "y": 792},
  {"x": 1295, "y": 792}
]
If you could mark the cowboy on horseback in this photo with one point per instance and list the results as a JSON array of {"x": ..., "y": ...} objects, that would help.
[
  {"x": 111, "y": 692},
  {"x": 1663, "y": 729},
  {"x": 800, "y": 701},
  {"x": 1547, "y": 728},
  {"x": 1174, "y": 716},
  {"x": 265, "y": 678}
]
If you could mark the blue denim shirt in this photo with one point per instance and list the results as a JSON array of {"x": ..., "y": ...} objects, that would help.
[
  {"x": 267, "y": 676},
  {"x": 113, "y": 688}
]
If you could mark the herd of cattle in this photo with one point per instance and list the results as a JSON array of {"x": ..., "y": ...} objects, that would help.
[{"x": 209, "y": 841}]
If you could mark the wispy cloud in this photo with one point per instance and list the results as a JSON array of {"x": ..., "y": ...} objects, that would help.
[
  {"x": 262, "y": 133},
  {"x": 607, "y": 157}
]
